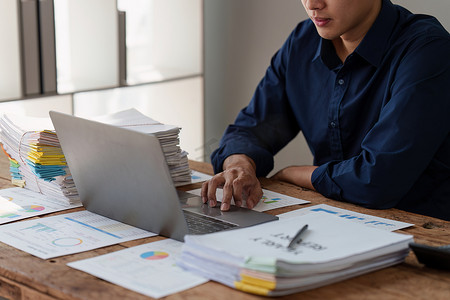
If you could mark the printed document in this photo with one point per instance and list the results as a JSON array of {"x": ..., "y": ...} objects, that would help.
[
  {"x": 67, "y": 234},
  {"x": 149, "y": 269},
  {"x": 19, "y": 203},
  {"x": 199, "y": 177},
  {"x": 257, "y": 259},
  {"x": 270, "y": 200},
  {"x": 368, "y": 220}
]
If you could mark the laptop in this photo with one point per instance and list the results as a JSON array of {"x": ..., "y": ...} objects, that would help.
[{"x": 123, "y": 175}]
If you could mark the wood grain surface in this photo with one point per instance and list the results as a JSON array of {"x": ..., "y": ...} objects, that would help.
[{"x": 23, "y": 276}]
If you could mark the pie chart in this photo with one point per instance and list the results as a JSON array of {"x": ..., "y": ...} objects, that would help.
[
  {"x": 67, "y": 242},
  {"x": 32, "y": 208},
  {"x": 154, "y": 255}
]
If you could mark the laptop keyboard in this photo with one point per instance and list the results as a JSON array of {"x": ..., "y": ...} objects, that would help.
[{"x": 201, "y": 224}]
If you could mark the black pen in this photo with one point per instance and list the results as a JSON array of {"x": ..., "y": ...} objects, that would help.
[{"x": 297, "y": 238}]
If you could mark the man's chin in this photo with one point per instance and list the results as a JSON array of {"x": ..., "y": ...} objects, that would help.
[{"x": 327, "y": 34}]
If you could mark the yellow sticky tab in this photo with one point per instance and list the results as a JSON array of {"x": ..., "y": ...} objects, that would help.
[
  {"x": 18, "y": 182},
  {"x": 45, "y": 148},
  {"x": 48, "y": 161},
  {"x": 49, "y": 132},
  {"x": 268, "y": 284},
  {"x": 251, "y": 288}
]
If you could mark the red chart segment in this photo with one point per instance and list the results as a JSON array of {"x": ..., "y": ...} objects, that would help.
[{"x": 32, "y": 208}]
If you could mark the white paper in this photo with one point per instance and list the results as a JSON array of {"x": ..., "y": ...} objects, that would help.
[
  {"x": 368, "y": 220},
  {"x": 328, "y": 243},
  {"x": 67, "y": 234},
  {"x": 199, "y": 177},
  {"x": 332, "y": 249},
  {"x": 270, "y": 200},
  {"x": 19, "y": 133},
  {"x": 18, "y": 203},
  {"x": 148, "y": 269}
]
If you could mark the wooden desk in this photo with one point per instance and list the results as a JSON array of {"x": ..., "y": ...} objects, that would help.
[{"x": 23, "y": 276}]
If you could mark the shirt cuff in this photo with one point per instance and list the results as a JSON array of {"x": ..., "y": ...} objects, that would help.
[{"x": 324, "y": 184}]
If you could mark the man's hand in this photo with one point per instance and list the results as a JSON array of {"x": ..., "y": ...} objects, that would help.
[{"x": 238, "y": 180}]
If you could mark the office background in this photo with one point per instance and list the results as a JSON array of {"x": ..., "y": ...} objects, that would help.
[
  {"x": 191, "y": 63},
  {"x": 240, "y": 38}
]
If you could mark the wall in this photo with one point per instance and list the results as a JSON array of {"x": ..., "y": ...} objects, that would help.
[
  {"x": 438, "y": 8},
  {"x": 240, "y": 38},
  {"x": 164, "y": 49}
]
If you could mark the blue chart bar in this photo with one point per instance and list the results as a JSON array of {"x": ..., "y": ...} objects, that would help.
[
  {"x": 10, "y": 216},
  {"x": 92, "y": 227},
  {"x": 39, "y": 227}
]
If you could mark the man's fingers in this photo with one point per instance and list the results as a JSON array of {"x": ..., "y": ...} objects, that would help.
[
  {"x": 204, "y": 191},
  {"x": 215, "y": 182},
  {"x": 227, "y": 196},
  {"x": 228, "y": 190},
  {"x": 236, "y": 183},
  {"x": 254, "y": 195},
  {"x": 237, "y": 191}
]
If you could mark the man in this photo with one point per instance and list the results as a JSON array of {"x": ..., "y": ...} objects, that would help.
[{"x": 368, "y": 84}]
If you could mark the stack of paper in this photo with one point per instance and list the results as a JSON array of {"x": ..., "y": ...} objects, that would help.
[
  {"x": 36, "y": 158},
  {"x": 168, "y": 136},
  {"x": 256, "y": 259},
  {"x": 38, "y": 163}
]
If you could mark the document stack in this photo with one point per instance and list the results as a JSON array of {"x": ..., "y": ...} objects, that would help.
[
  {"x": 257, "y": 259},
  {"x": 36, "y": 159},
  {"x": 38, "y": 163},
  {"x": 168, "y": 136}
]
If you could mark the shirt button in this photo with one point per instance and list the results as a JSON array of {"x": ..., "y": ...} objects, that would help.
[
  {"x": 332, "y": 124},
  {"x": 341, "y": 81}
]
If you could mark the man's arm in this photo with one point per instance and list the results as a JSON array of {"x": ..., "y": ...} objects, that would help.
[
  {"x": 260, "y": 130},
  {"x": 406, "y": 143},
  {"x": 298, "y": 175}
]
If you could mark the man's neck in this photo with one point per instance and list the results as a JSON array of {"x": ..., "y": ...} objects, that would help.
[{"x": 348, "y": 42}]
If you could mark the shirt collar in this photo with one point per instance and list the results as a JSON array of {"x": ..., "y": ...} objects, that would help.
[
  {"x": 373, "y": 45},
  {"x": 328, "y": 55}
]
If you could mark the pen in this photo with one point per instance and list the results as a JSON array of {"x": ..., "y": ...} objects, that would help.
[{"x": 297, "y": 238}]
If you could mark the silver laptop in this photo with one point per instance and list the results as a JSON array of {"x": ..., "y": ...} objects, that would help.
[{"x": 122, "y": 174}]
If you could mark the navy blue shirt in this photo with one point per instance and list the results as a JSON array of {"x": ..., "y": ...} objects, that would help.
[{"x": 378, "y": 124}]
